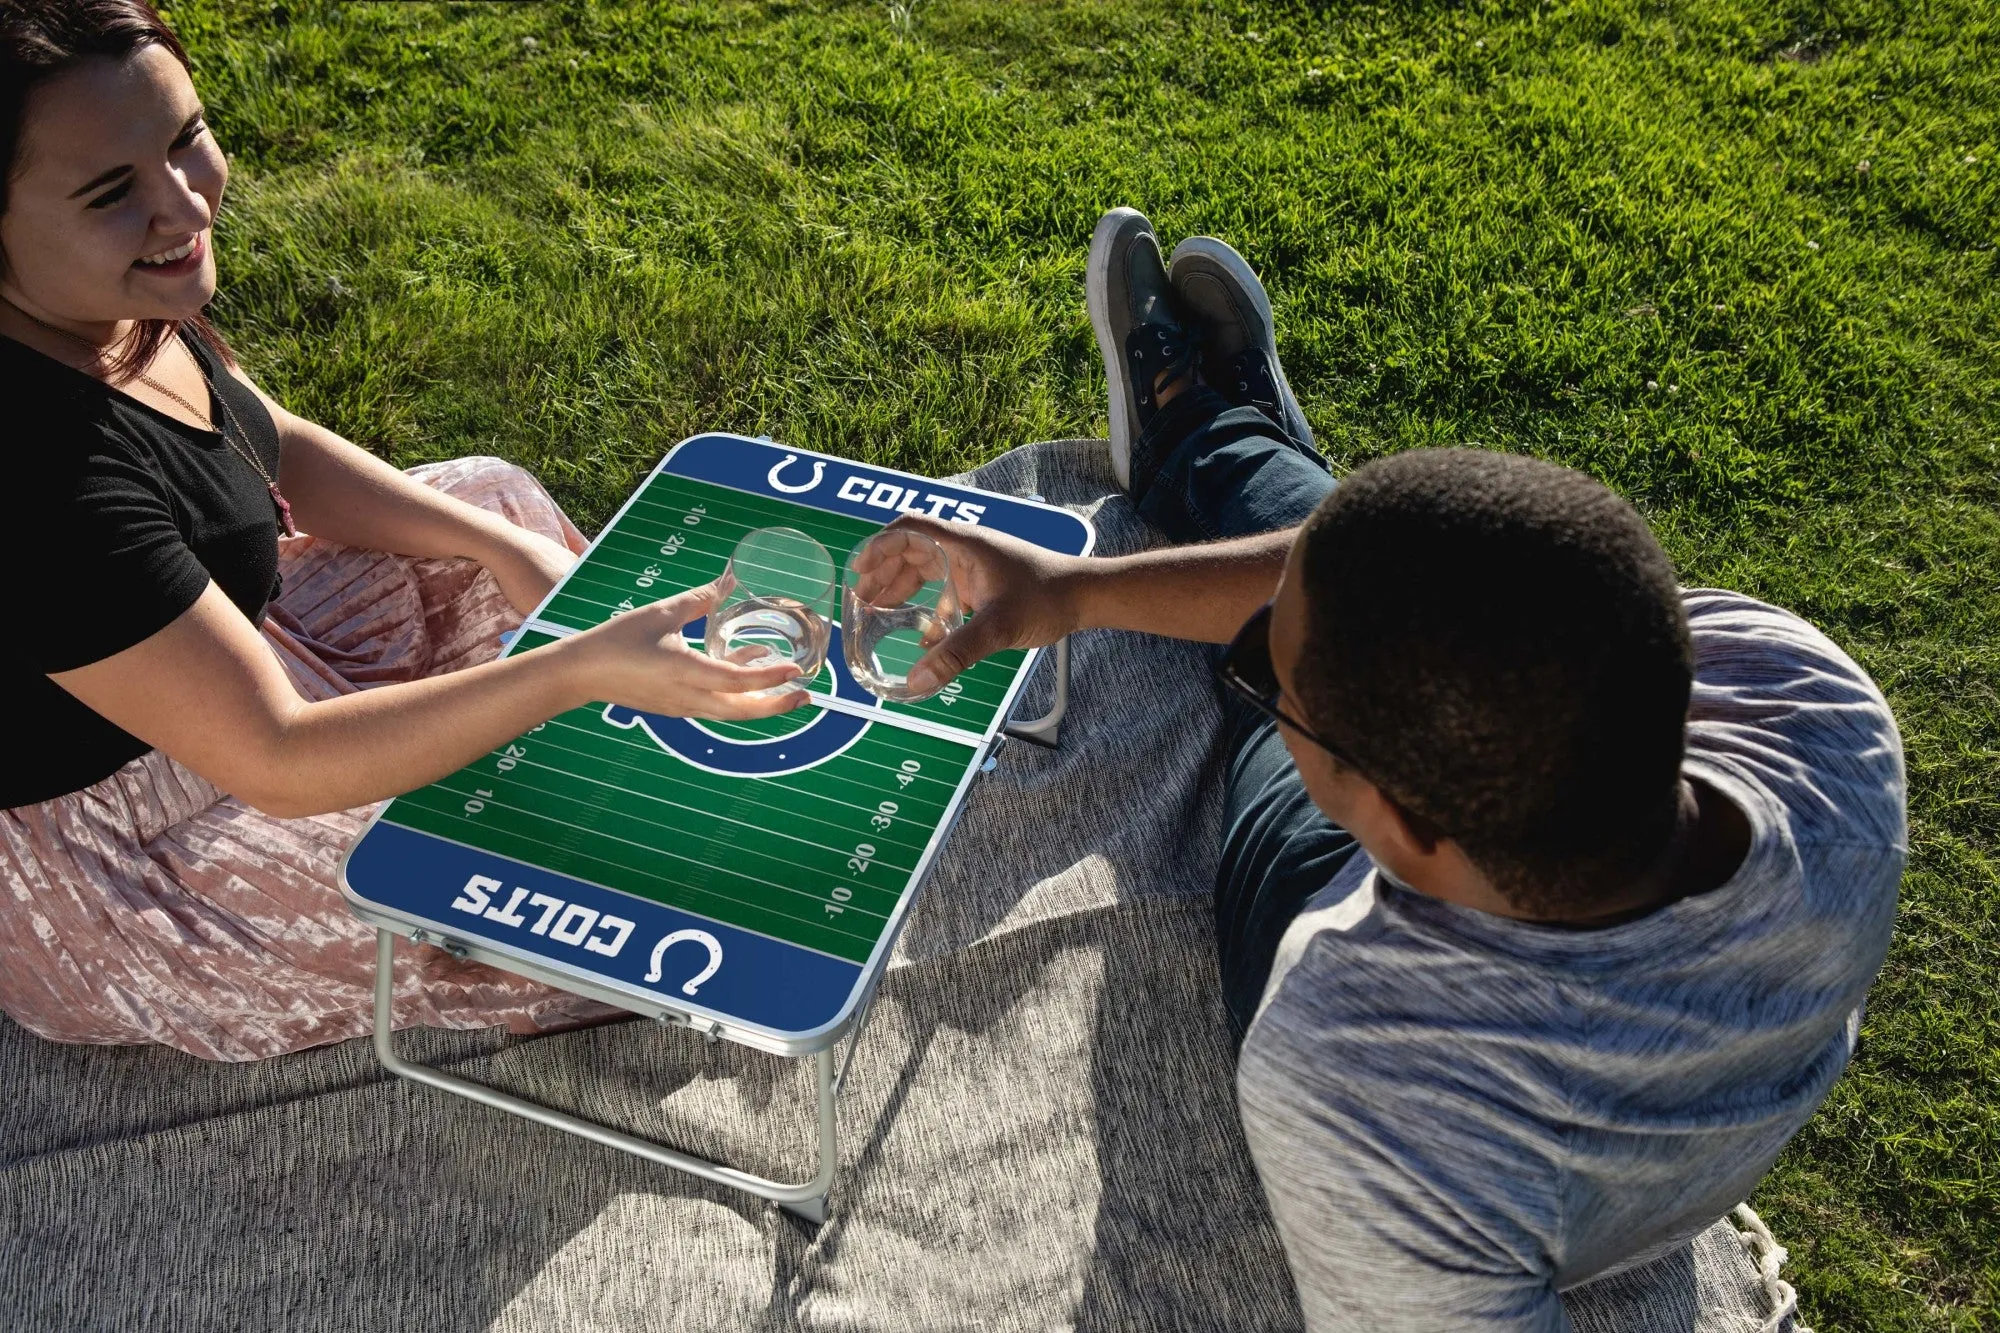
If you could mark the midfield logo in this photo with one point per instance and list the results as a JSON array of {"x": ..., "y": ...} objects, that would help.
[{"x": 824, "y": 734}]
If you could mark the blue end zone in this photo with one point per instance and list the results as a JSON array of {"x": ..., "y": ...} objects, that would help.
[
  {"x": 840, "y": 487},
  {"x": 689, "y": 961}
]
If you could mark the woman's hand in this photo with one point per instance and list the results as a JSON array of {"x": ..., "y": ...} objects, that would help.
[
  {"x": 527, "y": 565},
  {"x": 209, "y": 691},
  {"x": 1023, "y": 596},
  {"x": 639, "y": 659}
]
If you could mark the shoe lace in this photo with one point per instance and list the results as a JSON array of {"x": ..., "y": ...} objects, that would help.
[
  {"x": 1249, "y": 373},
  {"x": 1153, "y": 351}
]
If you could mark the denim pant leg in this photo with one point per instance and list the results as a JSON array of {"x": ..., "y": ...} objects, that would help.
[
  {"x": 1278, "y": 850},
  {"x": 1222, "y": 471},
  {"x": 1228, "y": 472}
]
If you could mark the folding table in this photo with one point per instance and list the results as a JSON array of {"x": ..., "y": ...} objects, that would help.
[{"x": 746, "y": 880}]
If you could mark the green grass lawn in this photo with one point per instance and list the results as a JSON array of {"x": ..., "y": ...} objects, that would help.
[{"x": 1736, "y": 258}]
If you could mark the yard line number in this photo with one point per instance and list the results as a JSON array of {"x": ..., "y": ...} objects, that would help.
[{"x": 863, "y": 856}]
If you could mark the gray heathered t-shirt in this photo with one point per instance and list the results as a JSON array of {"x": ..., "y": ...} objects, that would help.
[{"x": 1457, "y": 1116}]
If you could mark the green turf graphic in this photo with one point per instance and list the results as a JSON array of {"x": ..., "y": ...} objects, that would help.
[
  {"x": 678, "y": 534},
  {"x": 819, "y": 858}
]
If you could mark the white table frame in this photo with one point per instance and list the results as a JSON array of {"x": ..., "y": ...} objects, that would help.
[{"x": 809, "y": 1199}]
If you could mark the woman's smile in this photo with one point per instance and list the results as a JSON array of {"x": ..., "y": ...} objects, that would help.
[{"x": 176, "y": 261}]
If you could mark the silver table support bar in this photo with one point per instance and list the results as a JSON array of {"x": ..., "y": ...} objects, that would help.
[
  {"x": 807, "y": 1200},
  {"x": 1047, "y": 729}
]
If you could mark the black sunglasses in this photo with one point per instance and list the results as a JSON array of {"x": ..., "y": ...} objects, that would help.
[{"x": 1245, "y": 670}]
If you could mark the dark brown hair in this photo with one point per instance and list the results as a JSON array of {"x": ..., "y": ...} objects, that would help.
[
  {"x": 1500, "y": 644},
  {"x": 40, "y": 39}
]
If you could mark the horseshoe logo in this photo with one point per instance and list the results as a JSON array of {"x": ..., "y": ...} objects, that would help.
[
  {"x": 819, "y": 473},
  {"x": 825, "y": 735},
  {"x": 702, "y": 937}
]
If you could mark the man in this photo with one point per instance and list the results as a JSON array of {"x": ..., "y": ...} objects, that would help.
[{"x": 1549, "y": 893}]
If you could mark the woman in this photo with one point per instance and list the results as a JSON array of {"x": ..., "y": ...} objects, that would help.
[{"x": 210, "y": 705}]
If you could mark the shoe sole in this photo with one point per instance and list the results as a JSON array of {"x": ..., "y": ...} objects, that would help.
[
  {"x": 1097, "y": 298},
  {"x": 1244, "y": 279}
]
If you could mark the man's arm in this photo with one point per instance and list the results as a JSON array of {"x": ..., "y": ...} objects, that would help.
[{"x": 1026, "y": 597}]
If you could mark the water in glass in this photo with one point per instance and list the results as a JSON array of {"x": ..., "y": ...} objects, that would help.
[
  {"x": 777, "y": 604},
  {"x": 897, "y": 603},
  {"x": 764, "y": 630}
]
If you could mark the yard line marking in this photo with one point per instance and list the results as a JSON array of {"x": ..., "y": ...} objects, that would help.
[
  {"x": 784, "y": 781},
  {"x": 655, "y": 851},
  {"x": 790, "y": 811},
  {"x": 935, "y": 730},
  {"x": 835, "y": 852},
  {"x": 612, "y": 888}
]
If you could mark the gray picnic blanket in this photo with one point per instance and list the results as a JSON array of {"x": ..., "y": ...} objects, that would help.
[{"x": 1039, "y": 1131}]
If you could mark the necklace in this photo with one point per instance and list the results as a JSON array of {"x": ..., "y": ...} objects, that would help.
[{"x": 220, "y": 422}]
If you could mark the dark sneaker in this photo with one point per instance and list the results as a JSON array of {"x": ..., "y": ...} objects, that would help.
[
  {"x": 1138, "y": 330},
  {"x": 1226, "y": 308}
]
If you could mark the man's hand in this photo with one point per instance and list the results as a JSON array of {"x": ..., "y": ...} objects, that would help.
[
  {"x": 1022, "y": 596},
  {"x": 1026, "y": 597}
]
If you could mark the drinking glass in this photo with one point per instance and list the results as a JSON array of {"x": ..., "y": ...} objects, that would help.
[
  {"x": 779, "y": 604},
  {"x": 896, "y": 603}
]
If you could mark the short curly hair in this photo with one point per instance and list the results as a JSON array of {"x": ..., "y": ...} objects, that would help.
[{"x": 1500, "y": 644}]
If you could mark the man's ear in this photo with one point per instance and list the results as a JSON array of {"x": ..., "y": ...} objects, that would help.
[
  {"x": 1417, "y": 833},
  {"x": 1423, "y": 832}
]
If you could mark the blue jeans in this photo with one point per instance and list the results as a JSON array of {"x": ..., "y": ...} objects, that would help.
[{"x": 1229, "y": 472}]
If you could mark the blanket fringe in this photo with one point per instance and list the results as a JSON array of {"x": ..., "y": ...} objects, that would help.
[{"x": 1769, "y": 1256}]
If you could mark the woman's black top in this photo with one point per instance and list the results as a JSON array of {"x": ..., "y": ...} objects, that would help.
[{"x": 120, "y": 517}]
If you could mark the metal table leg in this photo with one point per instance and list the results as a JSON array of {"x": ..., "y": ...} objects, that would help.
[
  {"x": 808, "y": 1200},
  {"x": 1047, "y": 729}
]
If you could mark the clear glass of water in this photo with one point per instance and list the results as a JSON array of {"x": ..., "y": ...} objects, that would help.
[
  {"x": 779, "y": 604},
  {"x": 896, "y": 603}
]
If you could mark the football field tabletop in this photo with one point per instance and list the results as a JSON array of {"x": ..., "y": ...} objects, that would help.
[{"x": 748, "y": 878}]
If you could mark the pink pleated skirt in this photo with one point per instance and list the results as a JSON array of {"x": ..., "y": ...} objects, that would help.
[{"x": 151, "y": 907}]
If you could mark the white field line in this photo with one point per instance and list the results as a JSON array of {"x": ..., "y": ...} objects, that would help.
[
  {"x": 658, "y": 851},
  {"x": 833, "y": 850},
  {"x": 671, "y": 779},
  {"x": 627, "y": 736},
  {"x": 475, "y": 924}
]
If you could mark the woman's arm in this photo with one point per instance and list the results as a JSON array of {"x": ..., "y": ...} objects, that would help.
[
  {"x": 208, "y": 691},
  {"x": 345, "y": 494}
]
